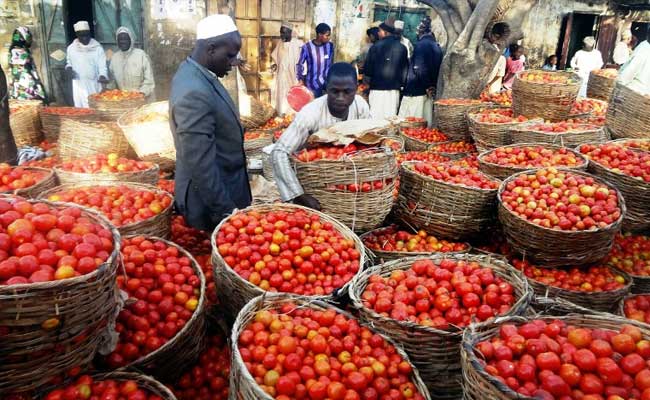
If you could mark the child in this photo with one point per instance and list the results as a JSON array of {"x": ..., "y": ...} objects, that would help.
[
  {"x": 551, "y": 63},
  {"x": 514, "y": 63}
]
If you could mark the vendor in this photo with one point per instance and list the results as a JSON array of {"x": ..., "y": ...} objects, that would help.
[
  {"x": 635, "y": 74},
  {"x": 586, "y": 60},
  {"x": 340, "y": 104},
  {"x": 85, "y": 65},
  {"x": 130, "y": 67}
]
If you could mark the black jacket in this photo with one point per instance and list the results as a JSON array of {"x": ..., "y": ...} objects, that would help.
[
  {"x": 387, "y": 64},
  {"x": 211, "y": 176},
  {"x": 424, "y": 68}
]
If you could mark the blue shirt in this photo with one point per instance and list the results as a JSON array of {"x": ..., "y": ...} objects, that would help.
[{"x": 319, "y": 60}]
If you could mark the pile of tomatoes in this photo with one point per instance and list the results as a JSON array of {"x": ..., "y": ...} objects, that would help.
[
  {"x": 562, "y": 127},
  {"x": 420, "y": 156},
  {"x": 533, "y": 156},
  {"x": 117, "y": 95},
  {"x": 453, "y": 147},
  {"x": 391, "y": 238},
  {"x": 47, "y": 162},
  {"x": 455, "y": 174},
  {"x": 503, "y": 98},
  {"x": 13, "y": 178},
  {"x": 637, "y": 308},
  {"x": 363, "y": 187},
  {"x": 86, "y": 387},
  {"x": 102, "y": 163},
  {"x": 597, "y": 108},
  {"x": 631, "y": 253},
  {"x": 459, "y": 102},
  {"x": 498, "y": 116},
  {"x": 191, "y": 239},
  {"x": 168, "y": 185},
  {"x": 329, "y": 152},
  {"x": 67, "y": 111},
  {"x": 427, "y": 135},
  {"x": 620, "y": 159},
  {"x": 546, "y": 77}
]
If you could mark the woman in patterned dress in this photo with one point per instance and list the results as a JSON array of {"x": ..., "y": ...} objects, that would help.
[{"x": 25, "y": 82}]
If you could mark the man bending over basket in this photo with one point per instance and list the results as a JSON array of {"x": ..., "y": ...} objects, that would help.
[{"x": 340, "y": 104}]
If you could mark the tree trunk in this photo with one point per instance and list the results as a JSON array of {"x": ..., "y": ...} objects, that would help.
[{"x": 8, "y": 151}]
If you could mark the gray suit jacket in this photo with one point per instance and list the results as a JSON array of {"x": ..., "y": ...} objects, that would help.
[{"x": 211, "y": 176}]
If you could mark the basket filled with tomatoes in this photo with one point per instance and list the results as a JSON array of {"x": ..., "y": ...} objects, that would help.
[
  {"x": 391, "y": 243},
  {"x": 508, "y": 160},
  {"x": 502, "y": 98},
  {"x": 454, "y": 150},
  {"x": 601, "y": 83},
  {"x": 569, "y": 357},
  {"x": 25, "y": 122},
  {"x": 425, "y": 303},
  {"x": 112, "y": 385},
  {"x": 586, "y": 107},
  {"x": 57, "y": 289},
  {"x": 354, "y": 184},
  {"x": 254, "y": 141},
  {"x": 51, "y": 119},
  {"x": 566, "y": 133},
  {"x": 102, "y": 167},
  {"x": 629, "y": 172},
  {"x": 596, "y": 287},
  {"x": 114, "y": 103},
  {"x": 26, "y": 182},
  {"x": 490, "y": 127},
  {"x": 578, "y": 213},
  {"x": 275, "y": 248},
  {"x": 634, "y": 144},
  {"x": 451, "y": 200},
  {"x": 315, "y": 339},
  {"x": 631, "y": 253},
  {"x": 450, "y": 116},
  {"x": 413, "y": 122},
  {"x": 636, "y": 307},
  {"x": 545, "y": 94},
  {"x": 162, "y": 326},
  {"x": 420, "y": 139},
  {"x": 628, "y": 115},
  {"x": 80, "y": 139},
  {"x": 134, "y": 208}
]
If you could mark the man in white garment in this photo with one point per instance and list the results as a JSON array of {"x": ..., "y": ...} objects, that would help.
[
  {"x": 130, "y": 67},
  {"x": 635, "y": 74},
  {"x": 622, "y": 50},
  {"x": 586, "y": 60},
  {"x": 399, "y": 31},
  {"x": 498, "y": 37},
  {"x": 340, "y": 104},
  {"x": 86, "y": 65},
  {"x": 285, "y": 56}
]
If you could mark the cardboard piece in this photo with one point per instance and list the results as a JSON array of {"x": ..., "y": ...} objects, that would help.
[{"x": 365, "y": 131}]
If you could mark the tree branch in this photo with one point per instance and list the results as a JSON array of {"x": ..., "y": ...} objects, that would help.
[
  {"x": 475, "y": 30},
  {"x": 450, "y": 19},
  {"x": 462, "y": 9}
]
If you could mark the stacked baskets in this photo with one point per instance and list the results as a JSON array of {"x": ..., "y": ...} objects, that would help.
[
  {"x": 533, "y": 97},
  {"x": 256, "y": 113},
  {"x": 601, "y": 84},
  {"x": 490, "y": 135},
  {"x": 51, "y": 118},
  {"x": 450, "y": 116},
  {"x": 25, "y": 122},
  {"x": 79, "y": 139},
  {"x": 628, "y": 115},
  {"x": 114, "y": 109}
]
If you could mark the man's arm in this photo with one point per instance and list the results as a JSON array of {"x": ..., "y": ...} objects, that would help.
[
  {"x": 404, "y": 66},
  {"x": 367, "y": 66},
  {"x": 196, "y": 129},
  {"x": 630, "y": 70},
  {"x": 300, "y": 69},
  {"x": 102, "y": 65},
  {"x": 148, "y": 84}
]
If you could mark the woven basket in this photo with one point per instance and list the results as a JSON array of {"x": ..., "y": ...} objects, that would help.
[
  {"x": 82, "y": 306},
  {"x": 413, "y": 144},
  {"x": 26, "y": 123},
  {"x": 32, "y": 192},
  {"x": 361, "y": 211},
  {"x": 628, "y": 142},
  {"x": 589, "y": 134},
  {"x": 147, "y": 177},
  {"x": 253, "y": 147},
  {"x": 51, "y": 120},
  {"x": 151, "y": 140},
  {"x": 451, "y": 119},
  {"x": 80, "y": 139},
  {"x": 260, "y": 112},
  {"x": 434, "y": 352},
  {"x": 568, "y": 247},
  {"x": 144, "y": 382},
  {"x": 479, "y": 385},
  {"x": 600, "y": 87},
  {"x": 234, "y": 292},
  {"x": 620, "y": 310},
  {"x": 412, "y": 124},
  {"x": 550, "y": 101},
  {"x": 488, "y": 136},
  {"x": 158, "y": 225},
  {"x": 598, "y": 301},
  {"x": 543, "y": 305},
  {"x": 502, "y": 172},
  {"x": 242, "y": 384},
  {"x": 636, "y": 193},
  {"x": 628, "y": 115},
  {"x": 113, "y": 110},
  {"x": 443, "y": 209}
]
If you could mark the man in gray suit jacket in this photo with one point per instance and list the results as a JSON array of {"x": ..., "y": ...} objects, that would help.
[{"x": 211, "y": 176}]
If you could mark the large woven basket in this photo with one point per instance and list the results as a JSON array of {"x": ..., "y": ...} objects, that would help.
[
  {"x": 640, "y": 283},
  {"x": 25, "y": 122},
  {"x": 600, "y": 87},
  {"x": 551, "y": 101},
  {"x": 628, "y": 115},
  {"x": 443, "y": 209},
  {"x": 158, "y": 225},
  {"x": 413, "y": 122},
  {"x": 413, "y": 144},
  {"x": 80, "y": 139},
  {"x": 361, "y": 211},
  {"x": 32, "y": 192},
  {"x": 488, "y": 136},
  {"x": 257, "y": 115},
  {"x": 479, "y": 385},
  {"x": 451, "y": 119},
  {"x": 568, "y": 247},
  {"x": 435, "y": 352},
  {"x": 51, "y": 119},
  {"x": 80, "y": 309},
  {"x": 636, "y": 193},
  {"x": 234, "y": 291},
  {"x": 147, "y": 177},
  {"x": 151, "y": 138},
  {"x": 253, "y": 147},
  {"x": 586, "y": 133},
  {"x": 502, "y": 172},
  {"x": 112, "y": 109},
  {"x": 242, "y": 384}
]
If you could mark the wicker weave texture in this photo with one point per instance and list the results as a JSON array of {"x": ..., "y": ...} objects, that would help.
[
  {"x": 549, "y": 101},
  {"x": 26, "y": 123},
  {"x": 582, "y": 134},
  {"x": 628, "y": 115},
  {"x": 80, "y": 139},
  {"x": 600, "y": 87},
  {"x": 451, "y": 119}
]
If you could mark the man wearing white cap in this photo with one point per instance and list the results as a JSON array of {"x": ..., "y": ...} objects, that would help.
[
  {"x": 86, "y": 65},
  {"x": 285, "y": 56},
  {"x": 399, "y": 32},
  {"x": 585, "y": 61},
  {"x": 211, "y": 176}
]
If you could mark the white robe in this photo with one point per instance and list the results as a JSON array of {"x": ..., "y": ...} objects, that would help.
[
  {"x": 285, "y": 56},
  {"x": 89, "y": 63},
  {"x": 132, "y": 70},
  {"x": 584, "y": 62},
  {"x": 384, "y": 103},
  {"x": 417, "y": 106},
  {"x": 636, "y": 73}
]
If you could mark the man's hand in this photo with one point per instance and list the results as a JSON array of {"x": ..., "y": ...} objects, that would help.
[
  {"x": 70, "y": 73},
  {"x": 307, "y": 201},
  {"x": 102, "y": 79}
]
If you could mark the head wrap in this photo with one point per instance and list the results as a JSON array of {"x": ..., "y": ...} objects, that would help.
[
  {"x": 385, "y": 27},
  {"x": 215, "y": 25},
  {"x": 21, "y": 38},
  {"x": 124, "y": 29},
  {"x": 589, "y": 41},
  {"x": 399, "y": 25},
  {"x": 81, "y": 26},
  {"x": 286, "y": 24}
]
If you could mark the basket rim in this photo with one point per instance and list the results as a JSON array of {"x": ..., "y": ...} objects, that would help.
[
  {"x": 408, "y": 253},
  {"x": 572, "y": 74},
  {"x": 153, "y": 167},
  {"x": 473, "y": 118},
  {"x": 361, "y": 281},
  {"x": 121, "y": 120},
  {"x": 620, "y": 175},
  {"x": 95, "y": 96},
  {"x": 528, "y": 124},
  {"x": 405, "y": 164},
  {"x": 481, "y": 156},
  {"x": 613, "y": 225},
  {"x": 87, "y": 111},
  {"x": 401, "y": 133},
  {"x": 114, "y": 256},
  {"x": 49, "y": 174},
  {"x": 373, "y": 152},
  {"x": 473, "y": 102}
]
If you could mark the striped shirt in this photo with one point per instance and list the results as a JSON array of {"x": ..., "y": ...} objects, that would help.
[{"x": 318, "y": 60}]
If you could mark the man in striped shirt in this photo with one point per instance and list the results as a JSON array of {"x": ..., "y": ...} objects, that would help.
[{"x": 317, "y": 55}]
